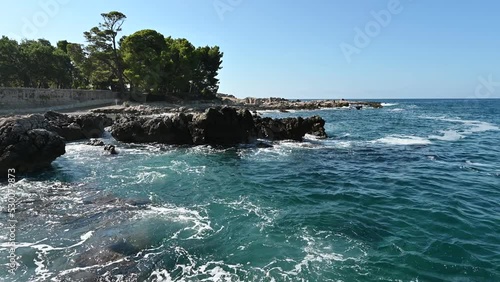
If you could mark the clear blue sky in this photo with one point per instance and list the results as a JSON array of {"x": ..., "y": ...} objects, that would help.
[{"x": 292, "y": 48}]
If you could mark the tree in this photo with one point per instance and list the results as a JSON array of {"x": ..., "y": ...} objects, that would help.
[
  {"x": 182, "y": 54},
  {"x": 10, "y": 64},
  {"x": 142, "y": 55},
  {"x": 210, "y": 61},
  {"x": 63, "y": 45},
  {"x": 103, "y": 45}
]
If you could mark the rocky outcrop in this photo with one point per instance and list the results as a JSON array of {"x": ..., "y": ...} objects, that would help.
[
  {"x": 226, "y": 126},
  {"x": 222, "y": 127},
  {"x": 95, "y": 142},
  {"x": 290, "y": 128},
  {"x": 26, "y": 145},
  {"x": 163, "y": 129},
  {"x": 80, "y": 127},
  {"x": 29, "y": 143}
]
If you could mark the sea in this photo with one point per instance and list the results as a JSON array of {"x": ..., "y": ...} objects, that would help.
[{"x": 409, "y": 192}]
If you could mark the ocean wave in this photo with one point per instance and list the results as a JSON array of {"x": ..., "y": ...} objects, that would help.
[
  {"x": 448, "y": 135},
  {"x": 469, "y": 127},
  {"x": 193, "y": 270},
  {"x": 403, "y": 140},
  {"x": 389, "y": 104},
  {"x": 320, "y": 250},
  {"x": 149, "y": 177},
  {"x": 266, "y": 216},
  {"x": 182, "y": 167},
  {"x": 472, "y": 126},
  {"x": 42, "y": 272},
  {"x": 337, "y": 144},
  {"x": 196, "y": 225}
]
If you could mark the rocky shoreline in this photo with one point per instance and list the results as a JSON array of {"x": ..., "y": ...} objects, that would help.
[
  {"x": 251, "y": 104},
  {"x": 32, "y": 142}
]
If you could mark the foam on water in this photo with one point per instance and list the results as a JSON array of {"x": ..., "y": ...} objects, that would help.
[
  {"x": 197, "y": 226},
  {"x": 403, "y": 140},
  {"x": 448, "y": 135},
  {"x": 389, "y": 104},
  {"x": 396, "y": 110}
]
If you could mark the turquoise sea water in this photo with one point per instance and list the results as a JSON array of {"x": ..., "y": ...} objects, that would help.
[{"x": 410, "y": 192}]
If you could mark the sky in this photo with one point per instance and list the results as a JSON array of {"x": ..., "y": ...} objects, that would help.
[{"x": 306, "y": 48}]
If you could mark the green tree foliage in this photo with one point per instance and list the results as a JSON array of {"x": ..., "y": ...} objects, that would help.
[
  {"x": 146, "y": 62},
  {"x": 159, "y": 65},
  {"x": 103, "y": 47},
  {"x": 10, "y": 63},
  {"x": 34, "y": 64},
  {"x": 209, "y": 64},
  {"x": 142, "y": 53}
]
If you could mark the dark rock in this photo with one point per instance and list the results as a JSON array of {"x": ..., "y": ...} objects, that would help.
[
  {"x": 225, "y": 126},
  {"x": 26, "y": 145},
  {"x": 123, "y": 247},
  {"x": 95, "y": 257},
  {"x": 263, "y": 145},
  {"x": 80, "y": 127},
  {"x": 315, "y": 126},
  {"x": 95, "y": 142},
  {"x": 110, "y": 149},
  {"x": 165, "y": 129},
  {"x": 290, "y": 128}
]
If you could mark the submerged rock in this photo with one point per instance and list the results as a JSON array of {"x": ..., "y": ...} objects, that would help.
[
  {"x": 110, "y": 149},
  {"x": 26, "y": 145},
  {"x": 225, "y": 126}
]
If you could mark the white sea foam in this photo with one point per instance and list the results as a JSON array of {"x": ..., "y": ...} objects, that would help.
[
  {"x": 196, "y": 224},
  {"x": 477, "y": 164},
  {"x": 182, "y": 167},
  {"x": 389, "y": 104},
  {"x": 448, "y": 135},
  {"x": 338, "y": 144},
  {"x": 160, "y": 276},
  {"x": 468, "y": 127},
  {"x": 265, "y": 215},
  {"x": 149, "y": 177},
  {"x": 41, "y": 261},
  {"x": 403, "y": 140},
  {"x": 395, "y": 110},
  {"x": 471, "y": 126}
]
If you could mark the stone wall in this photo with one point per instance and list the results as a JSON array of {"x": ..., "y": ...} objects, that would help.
[{"x": 22, "y": 100}]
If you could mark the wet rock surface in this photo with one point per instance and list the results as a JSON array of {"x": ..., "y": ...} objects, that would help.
[
  {"x": 30, "y": 143},
  {"x": 25, "y": 144},
  {"x": 74, "y": 128},
  {"x": 225, "y": 126}
]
